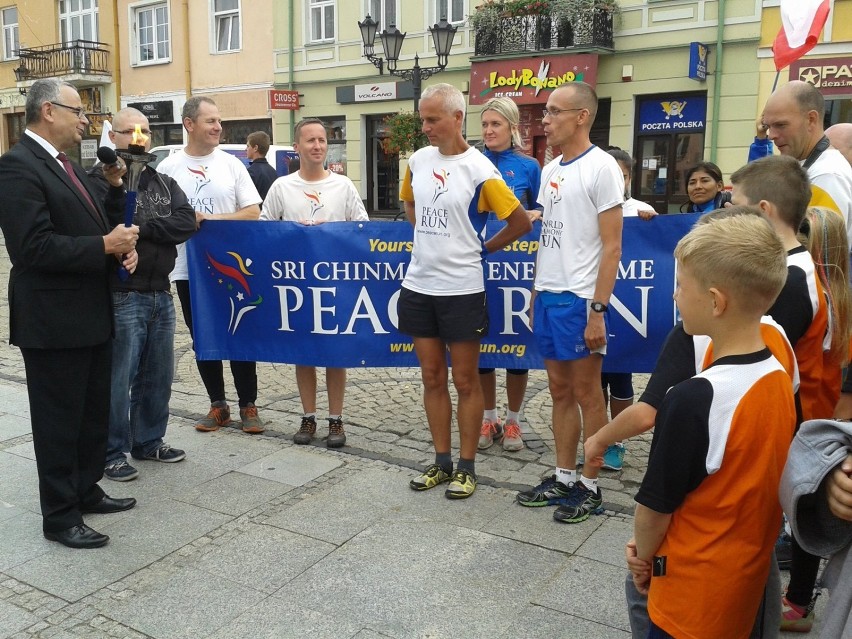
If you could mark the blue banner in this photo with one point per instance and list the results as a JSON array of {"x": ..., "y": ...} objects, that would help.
[{"x": 326, "y": 295}]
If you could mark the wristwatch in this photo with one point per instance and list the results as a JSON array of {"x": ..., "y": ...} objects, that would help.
[{"x": 598, "y": 307}]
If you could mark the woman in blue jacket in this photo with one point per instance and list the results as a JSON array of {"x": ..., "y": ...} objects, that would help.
[
  {"x": 500, "y": 119},
  {"x": 705, "y": 189}
]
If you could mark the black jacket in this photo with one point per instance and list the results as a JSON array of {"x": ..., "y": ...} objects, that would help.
[
  {"x": 263, "y": 175},
  {"x": 164, "y": 217}
]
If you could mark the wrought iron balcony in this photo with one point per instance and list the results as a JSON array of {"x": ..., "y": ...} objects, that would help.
[
  {"x": 546, "y": 32},
  {"x": 77, "y": 58}
]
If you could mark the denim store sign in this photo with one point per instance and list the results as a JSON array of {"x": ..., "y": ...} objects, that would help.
[{"x": 326, "y": 295}]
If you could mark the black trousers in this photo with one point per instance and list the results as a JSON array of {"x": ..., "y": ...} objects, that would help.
[
  {"x": 211, "y": 371},
  {"x": 69, "y": 392}
]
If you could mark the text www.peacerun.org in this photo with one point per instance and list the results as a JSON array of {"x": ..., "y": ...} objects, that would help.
[{"x": 504, "y": 349}]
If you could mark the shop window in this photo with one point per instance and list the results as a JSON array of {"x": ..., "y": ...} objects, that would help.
[{"x": 335, "y": 131}]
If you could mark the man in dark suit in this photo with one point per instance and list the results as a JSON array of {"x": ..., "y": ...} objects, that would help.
[{"x": 61, "y": 310}]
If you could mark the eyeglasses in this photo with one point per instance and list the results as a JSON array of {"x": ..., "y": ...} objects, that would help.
[
  {"x": 554, "y": 112},
  {"x": 131, "y": 131},
  {"x": 80, "y": 112}
]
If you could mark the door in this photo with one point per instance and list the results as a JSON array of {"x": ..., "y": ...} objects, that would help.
[
  {"x": 382, "y": 171},
  {"x": 661, "y": 164}
]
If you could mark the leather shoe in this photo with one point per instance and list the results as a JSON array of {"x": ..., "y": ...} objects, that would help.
[
  {"x": 79, "y": 536},
  {"x": 109, "y": 505}
]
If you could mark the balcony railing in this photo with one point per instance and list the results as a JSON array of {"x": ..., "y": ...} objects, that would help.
[
  {"x": 543, "y": 32},
  {"x": 80, "y": 57}
]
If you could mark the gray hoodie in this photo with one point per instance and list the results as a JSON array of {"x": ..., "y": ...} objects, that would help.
[{"x": 819, "y": 447}]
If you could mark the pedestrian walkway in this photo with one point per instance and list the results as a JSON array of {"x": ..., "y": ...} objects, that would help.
[{"x": 252, "y": 536}]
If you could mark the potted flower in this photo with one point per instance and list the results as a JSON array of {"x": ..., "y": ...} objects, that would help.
[{"x": 403, "y": 133}]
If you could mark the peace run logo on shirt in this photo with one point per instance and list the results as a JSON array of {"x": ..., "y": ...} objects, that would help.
[
  {"x": 441, "y": 183},
  {"x": 234, "y": 284},
  {"x": 314, "y": 201},
  {"x": 199, "y": 174}
]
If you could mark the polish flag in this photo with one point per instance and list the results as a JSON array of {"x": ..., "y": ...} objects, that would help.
[{"x": 801, "y": 23}]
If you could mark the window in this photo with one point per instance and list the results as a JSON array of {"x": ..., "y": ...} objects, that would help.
[
  {"x": 151, "y": 30},
  {"x": 452, "y": 10},
  {"x": 321, "y": 14},
  {"x": 78, "y": 20},
  {"x": 226, "y": 23},
  {"x": 383, "y": 12},
  {"x": 11, "y": 43}
]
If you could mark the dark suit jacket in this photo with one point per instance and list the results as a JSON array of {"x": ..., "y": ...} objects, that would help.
[
  {"x": 58, "y": 289},
  {"x": 263, "y": 175}
]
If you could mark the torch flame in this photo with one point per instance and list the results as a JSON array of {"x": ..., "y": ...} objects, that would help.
[{"x": 139, "y": 138}]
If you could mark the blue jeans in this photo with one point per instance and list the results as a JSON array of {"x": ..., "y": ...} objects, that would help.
[{"x": 142, "y": 372}]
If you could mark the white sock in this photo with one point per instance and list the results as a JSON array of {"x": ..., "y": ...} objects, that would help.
[
  {"x": 591, "y": 484},
  {"x": 510, "y": 415},
  {"x": 330, "y": 417},
  {"x": 566, "y": 476},
  {"x": 490, "y": 415},
  {"x": 314, "y": 415}
]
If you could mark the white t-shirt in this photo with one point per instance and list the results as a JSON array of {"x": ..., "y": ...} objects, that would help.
[
  {"x": 215, "y": 183},
  {"x": 573, "y": 195},
  {"x": 452, "y": 196},
  {"x": 332, "y": 199},
  {"x": 632, "y": 206},
  {"x": 831, "y": 185}
]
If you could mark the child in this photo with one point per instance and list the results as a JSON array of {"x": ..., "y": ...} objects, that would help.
[{"x": 707, "y": 512}]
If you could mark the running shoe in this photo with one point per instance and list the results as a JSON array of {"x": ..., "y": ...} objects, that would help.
[
  {"x": 579, "y": 505},
  {"x": 613, "y": 457},
  {"x": 462, "y": 485},
  {"x": 548, "y": 493},
  {"x": 512, "y": 440},
  {"x": 431, "y": 477},
  {"x": 491, "y": 432}
]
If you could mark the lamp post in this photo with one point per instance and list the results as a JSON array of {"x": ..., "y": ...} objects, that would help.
[{"x": 392, "y": 39}]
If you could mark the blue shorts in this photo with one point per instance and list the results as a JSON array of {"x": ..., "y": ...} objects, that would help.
[{"x": 559, "y": 322}]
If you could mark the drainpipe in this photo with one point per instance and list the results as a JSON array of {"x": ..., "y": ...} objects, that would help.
[
  {"x": 116, "y": 54},
  {"x": 187, "y": 68},
  {"x": 290, "y": 84},
  {"x": 717, "y": 81}
]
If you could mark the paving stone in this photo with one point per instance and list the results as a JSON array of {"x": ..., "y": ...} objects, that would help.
[
  {"x": 276, "y": 619},
  {"x": 12, "y": 426},
  {"x": 292, "y": 466},
  {"x": 234, "y": 493},
  {"x": 14, "y": 619}
]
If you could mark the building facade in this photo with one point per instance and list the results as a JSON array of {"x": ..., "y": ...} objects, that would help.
[
  {"x": 73, "y": 40},
  {"x": 217, "y": 48}
]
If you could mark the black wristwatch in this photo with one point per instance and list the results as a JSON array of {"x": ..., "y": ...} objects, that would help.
[{"x": 598, "y": 307}]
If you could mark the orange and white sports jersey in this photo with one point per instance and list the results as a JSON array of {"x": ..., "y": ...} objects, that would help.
[{"x": 774, "y": 338}]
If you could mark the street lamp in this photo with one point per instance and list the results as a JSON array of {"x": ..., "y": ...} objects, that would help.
[
  {"x": 22, "y": 74},
  {"x": 392, "y": 39}
]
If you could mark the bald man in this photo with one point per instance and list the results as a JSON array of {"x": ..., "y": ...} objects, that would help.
[
  {"x": 840, "y": 136},
  {"x": 793, "y": 119}
]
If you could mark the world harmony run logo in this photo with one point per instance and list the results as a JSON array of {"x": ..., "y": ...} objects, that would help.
[
  {"x": 441, "y": 183},
  {"x": 314, "y": 201},
  {"x": 674, "y": 109},
  {"x": 235, "y": 282},
  {"x": 554, "y": 189},
  {"x": 200, "y": 176}
]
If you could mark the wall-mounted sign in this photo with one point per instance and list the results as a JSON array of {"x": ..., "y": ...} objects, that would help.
[
  {"x": 284, "y": 99},
  {"x": 158, "y": 112},
  {"x": 375, "y": 92},
  {"x": 529, "y": 80},
  {"x": 832, "y": 76},
  {"x": 698, "y": 61},
  {"x": 673, "y": 114}
]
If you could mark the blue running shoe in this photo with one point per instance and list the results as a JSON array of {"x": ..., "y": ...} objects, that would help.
[
  {"x": 579, "y": 505},
  {"x": 548, "y": 493},
  {"x": 613, "y": 457}
]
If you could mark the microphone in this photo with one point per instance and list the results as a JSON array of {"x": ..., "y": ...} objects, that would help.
[{"x": 107, "y": 156}]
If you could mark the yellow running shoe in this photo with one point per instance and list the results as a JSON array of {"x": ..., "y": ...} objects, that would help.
[
  {"x": 432, "y": 476},
  {"x": 462, "y": 485}
]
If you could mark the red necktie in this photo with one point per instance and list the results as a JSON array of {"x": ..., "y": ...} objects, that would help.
[{"x": 69, "y": 169}]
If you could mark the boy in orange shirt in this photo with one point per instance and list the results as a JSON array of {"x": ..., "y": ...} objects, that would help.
[{"x": 708, "y": 513}]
